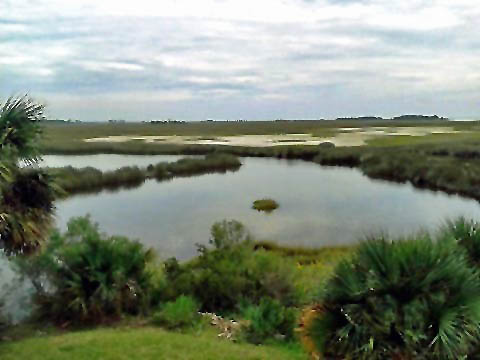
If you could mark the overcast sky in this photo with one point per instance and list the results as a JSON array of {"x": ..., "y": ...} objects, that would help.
[{"x": 254, "y": 59}]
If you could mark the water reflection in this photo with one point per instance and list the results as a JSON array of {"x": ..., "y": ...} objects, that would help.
[{"x": 107, "y": 162}]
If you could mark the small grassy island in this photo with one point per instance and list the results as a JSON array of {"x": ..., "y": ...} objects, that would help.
[{"x": 267, "y": 205}]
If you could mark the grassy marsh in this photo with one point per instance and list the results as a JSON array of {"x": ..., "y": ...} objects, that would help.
[
  {"x": 446, "y": 162},
  {"x": 266, "y": 205}
]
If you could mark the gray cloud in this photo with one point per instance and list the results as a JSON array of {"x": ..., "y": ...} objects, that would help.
[{"x": 299, "y": 59}]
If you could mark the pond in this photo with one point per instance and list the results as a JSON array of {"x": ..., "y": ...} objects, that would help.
[{"x": 318, "y": 205}]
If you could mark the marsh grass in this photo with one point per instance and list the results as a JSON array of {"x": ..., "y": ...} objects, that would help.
[
  {"x": 450, "y": 167},
  {"x": 91, "y": 180},
  {"x": 266, "y": 205},
  {"x": 306, "y": 255}
]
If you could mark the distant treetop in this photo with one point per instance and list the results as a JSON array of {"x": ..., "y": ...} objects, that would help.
[{"x": 419, "y": 117}]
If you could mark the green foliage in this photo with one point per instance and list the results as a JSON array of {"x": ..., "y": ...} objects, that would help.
[
  {"x": 228, "y": 233},
  {"x": 231, "y": 273},
  {"x": 412, "y": 299},
  {"x": 267, "y": 205},
  {"x": 19, "y": 127},
  {"x": 84, "y": 276},
  {"x": 88, "y": 179},
  {"x": 183, "y": 312},
  {"x": 216, "y": 162},
  {"x": 27, "y": 204},
  {"x": 467, "y": 234},
  {"x": 26, "y": 195},
  {"x": 268, "y": 319}
]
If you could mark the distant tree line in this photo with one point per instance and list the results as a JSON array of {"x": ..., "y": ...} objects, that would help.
[{"x": 401, "y": 117}]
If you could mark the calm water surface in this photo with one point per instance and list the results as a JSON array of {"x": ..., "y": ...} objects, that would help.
[{"x": 318, "y": 205}]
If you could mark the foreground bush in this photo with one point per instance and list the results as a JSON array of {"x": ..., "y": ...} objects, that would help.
[
  {"x": 84, "y": 276},
  {"x": 27, "y": 194},
  {"x": 268, "y": 320},
  {"x": 231, "y": 273},
  {"x": 183, "y": 312},
  {"x": 467, "y": 234},
  {"x": 412, "y": 299}
]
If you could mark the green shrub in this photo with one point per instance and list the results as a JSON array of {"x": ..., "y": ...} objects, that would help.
[
  {"x": 268, "y": 320},
  {"x": 411, "y": 299},
  {"x": 230, "y": 273},
  {"x": 183, "y": 312},
  {"x": 267, "y": 205},
  {"x": 84, "y": 276},
  {"x": 467, "y": 234},
  {"x": 227, "y": 234}
]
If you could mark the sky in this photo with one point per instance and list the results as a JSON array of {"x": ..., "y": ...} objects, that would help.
[{"x": 242, "y": 59}]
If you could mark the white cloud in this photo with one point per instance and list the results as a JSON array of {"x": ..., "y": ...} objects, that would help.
[
  {"x": 428, "y": 18},
  {"x": 109, "y": 66},
  {"x": 9, "y": 59},
  {"x": 6, "y": 29},
  {"x": 225, "y": 54}
]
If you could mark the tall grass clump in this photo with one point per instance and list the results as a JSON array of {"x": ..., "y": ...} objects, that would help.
[
  {"x": 183, "y": 312},
  {"x": 85, "y": 277},
  {"x": 411, "y": 299}
]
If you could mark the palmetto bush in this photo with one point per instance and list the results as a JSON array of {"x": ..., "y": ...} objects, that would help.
[
  {"x": 467, "y": 234},
  {"x": 26, "y": 206},
  {"x": 26, "y": 196},
  {"x": 411, "y": 299},
  {"x": 84, "y": 276}
]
